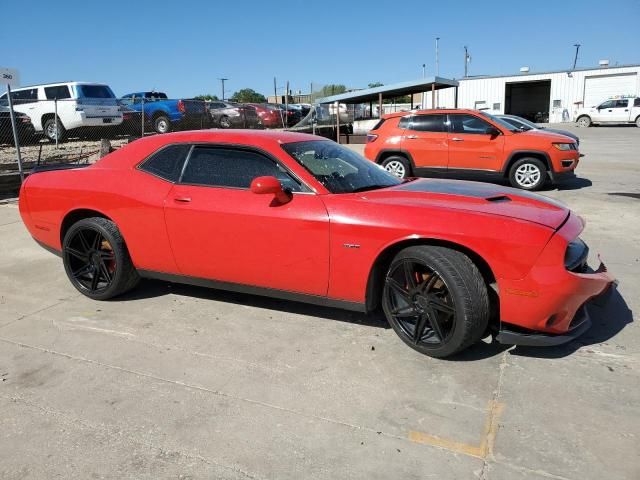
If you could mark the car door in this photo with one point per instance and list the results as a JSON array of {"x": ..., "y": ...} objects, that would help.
[
  {"x": 425, "y": 138},
  {"x": 220, "y": 230},
  {"x": 611, "y": 111},
  {"x": 470, "y": 147}
]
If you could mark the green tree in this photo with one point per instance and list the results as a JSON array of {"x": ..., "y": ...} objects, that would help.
[
  {"x": 207, "y": 97},
  {"x": 332, "y": 89},
  {"x": 248, "y": 95},
  {"x": 375, "y": 84}
]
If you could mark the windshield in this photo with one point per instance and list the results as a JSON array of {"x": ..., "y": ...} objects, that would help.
[
  {"x": 499, "y": 121},
  {"x": 519, "y": 121},
  {"x": 339, "y": 169}
]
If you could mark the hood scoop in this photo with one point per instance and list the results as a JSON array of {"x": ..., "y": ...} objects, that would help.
[{"x": 498, "y": 199}]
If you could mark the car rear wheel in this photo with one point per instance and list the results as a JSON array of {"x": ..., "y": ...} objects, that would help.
[
  {"x": 584, "y": 121},
  {"x": 399, "y": 166},
  {"x": 638, "y": 122},
  {"x": 162, "y": 124},
  {"x": 528, "y": 174},
  {"x": 225, "y": 122},
  {"x": 96, "y": 259},
  {"x": 436, "y": 300},
  {"x": 53, "y": 130}
]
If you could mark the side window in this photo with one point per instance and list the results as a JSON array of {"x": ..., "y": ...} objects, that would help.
[
  {"x": 167, "y": 163},
  {"x": 468, "y": 124},
  {"x": 608, "y": 104},
  {"x": 636, "y": 102},
  {"x": 428, "y": 123},
  {"x": 622, "y": 103},
  {"x": 60, "y": 92},
  {"x": 225, "y": 167},
  {"x": 25, "y": 96}
]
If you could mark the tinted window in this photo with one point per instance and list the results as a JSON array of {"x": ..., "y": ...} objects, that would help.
[
  {"x": 608, "y": 104},
  {"x": 26, "y": 94},
  {"x": 167, "y": 163},
  {"x": 427, "y": 123},
  {"x": 95, "y": 91},
  {"x": 621, "y": 103},
  {"x": 468, "y": 124},
  {"x": 379, "y": 124},
  {"x": 59, "y": 92},
  {"x": 636, "y": 102},
  {"x": 223, "y": 167}
]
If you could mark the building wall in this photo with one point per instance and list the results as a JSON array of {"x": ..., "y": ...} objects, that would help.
[{"x": 489, "y": 92}]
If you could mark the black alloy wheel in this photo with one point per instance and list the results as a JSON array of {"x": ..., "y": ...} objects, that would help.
[
  {"x": 436, "y": 300},
  {"x": 96, "y": 259}
]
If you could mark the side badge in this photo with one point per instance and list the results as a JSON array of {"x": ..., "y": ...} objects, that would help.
[{"x": 350, "y": 245}]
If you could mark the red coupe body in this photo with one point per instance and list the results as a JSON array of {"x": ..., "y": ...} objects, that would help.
[{"x": 322, "y": 247}]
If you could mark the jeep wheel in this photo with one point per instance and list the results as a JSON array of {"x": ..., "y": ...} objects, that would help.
[
  {"x": 528, "y": 174},
  {"x": 399, "y": 166}
]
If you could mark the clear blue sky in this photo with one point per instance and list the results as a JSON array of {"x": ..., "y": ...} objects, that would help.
[{"x": 182, "y": 47}]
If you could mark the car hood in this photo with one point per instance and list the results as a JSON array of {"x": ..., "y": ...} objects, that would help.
[
  {"x": 473, "y": 196},
  {"x": 547, "y": 134},
  {"x": 561, "y": 132}
]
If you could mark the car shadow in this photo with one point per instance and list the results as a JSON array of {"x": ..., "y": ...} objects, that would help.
[
  {"x": 157, "y": 288},
  {"x": 574, "y": 184}
]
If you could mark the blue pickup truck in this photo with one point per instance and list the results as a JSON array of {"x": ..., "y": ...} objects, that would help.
[{"x": 163, "y": 114}]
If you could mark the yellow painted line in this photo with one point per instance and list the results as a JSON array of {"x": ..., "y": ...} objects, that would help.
[{"x": 494, "y": 409}]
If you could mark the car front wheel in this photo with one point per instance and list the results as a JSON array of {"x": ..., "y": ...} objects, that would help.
[
  {"x": 528, "y": 174},
  {"x": 96, "y": 259},
  {"x": 436, "y": 300},
  {"x": 53, "y": 129},
  {"x": 584, "y": 122},
  {"x": 162, "y": 124},
  {"x": 398, "y": 166}
]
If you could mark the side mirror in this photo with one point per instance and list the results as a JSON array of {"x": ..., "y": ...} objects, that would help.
[
  {"x": 270, "y": 185},
  {"x": 493, "y": 131}
]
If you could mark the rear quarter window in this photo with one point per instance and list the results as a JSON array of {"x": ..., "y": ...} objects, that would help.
[
  {"x": 379, "y": 124},
  {"x": 167, "y": 162}
]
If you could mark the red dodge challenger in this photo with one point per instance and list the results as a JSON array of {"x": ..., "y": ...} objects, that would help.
[{"x": 301, "y": 218}]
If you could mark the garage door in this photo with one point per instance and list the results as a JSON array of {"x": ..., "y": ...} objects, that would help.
[{"x": 597, "y": 89}]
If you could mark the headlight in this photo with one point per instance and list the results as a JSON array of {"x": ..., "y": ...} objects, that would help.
[
  {"x": 563, "y": 146},
  {"x": 575, "y": 257}
]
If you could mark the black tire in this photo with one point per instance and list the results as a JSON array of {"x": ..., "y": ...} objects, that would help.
[
  {"x": 467, "y": 299},
  {"x": 49, "y": 128},
  {"x": 225, "y": 122},
  {"x": 584, "y": 121},
  {"x": 162, "y": 124},
  {"x": 528, "y": 174},
  {"x": 638, "y": 121},
  {"x": 109, "y": 262},
  {"x": 398, "y": 166}
]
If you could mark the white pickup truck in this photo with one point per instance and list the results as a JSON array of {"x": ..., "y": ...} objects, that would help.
[{"x": 621, "y": 109}]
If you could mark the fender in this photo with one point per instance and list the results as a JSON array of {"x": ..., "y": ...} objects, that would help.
[
  {"x": 507, "y": 164},
  {"x": 400, "y": 151}
]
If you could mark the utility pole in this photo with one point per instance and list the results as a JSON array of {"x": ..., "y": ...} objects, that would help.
[
  {"x": 575, "y": 59},
  {"x": 222, "y": 80},
  {"x": 437, "y": 57},
  {"x": 424, "y": 75},
  {"x": 466, "y": 61}
]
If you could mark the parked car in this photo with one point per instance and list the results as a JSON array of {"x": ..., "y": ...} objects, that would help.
[
  {"x": 233, "y": 115},
  {"x": 269, "y": 115},
  {"x": 81, "y": 107},
  {"x": 131, "y": 123},
  {"x": 616, "y": 110},
  {"x": 470, "y": 143},
  {"x": 432, "y": 253},
  {"x": 163, "y": 114},
  {"x": 526, "y": 125},
  {"x": 291, "y": 115},
  {"x": 24, "y": 127}
]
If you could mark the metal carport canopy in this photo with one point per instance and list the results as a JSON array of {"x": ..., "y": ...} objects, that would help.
[{"x": 390, "y": 91}]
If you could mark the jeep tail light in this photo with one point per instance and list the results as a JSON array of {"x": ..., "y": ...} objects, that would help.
[
  {"x": 371, "y": 137},
  {"x": 180, "y": 106}
]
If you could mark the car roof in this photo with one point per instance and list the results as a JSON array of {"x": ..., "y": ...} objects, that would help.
[
  {"x": 54, "y": 84},
  {"x": 429, "y": 111}
]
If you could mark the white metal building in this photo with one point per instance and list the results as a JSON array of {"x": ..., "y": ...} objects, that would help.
[{"x": 553, "y": 95}]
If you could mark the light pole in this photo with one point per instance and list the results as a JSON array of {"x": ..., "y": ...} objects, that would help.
[
  {"x": 222, "y": 80},
  {"x": 437, "y": 57},
  {"x": 424, "y": 75},
  {"x": 575, "y": 59}
]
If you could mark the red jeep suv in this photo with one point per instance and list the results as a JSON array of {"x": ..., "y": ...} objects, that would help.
[{"x": 469, "y": 142}]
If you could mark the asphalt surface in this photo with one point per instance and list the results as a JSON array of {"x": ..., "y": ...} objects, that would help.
[{"x": 181, "y": 382}]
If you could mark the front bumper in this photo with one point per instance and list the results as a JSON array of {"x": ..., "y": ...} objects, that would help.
[
  {"x": 549, "y": 300},
  {"x": 580, "y": 324}
]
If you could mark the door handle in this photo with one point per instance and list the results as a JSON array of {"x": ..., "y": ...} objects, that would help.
[
  {"x": 626, "y": 109},
  {"x": 182, "y": 199},
  {"x": 456, "y": 139},
  {"x": 411, "y": 137}
]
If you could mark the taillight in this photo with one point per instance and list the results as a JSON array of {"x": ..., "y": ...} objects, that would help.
[
  {"x": 371, "y": 137},
  {"x": 180, "y": 106}
]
